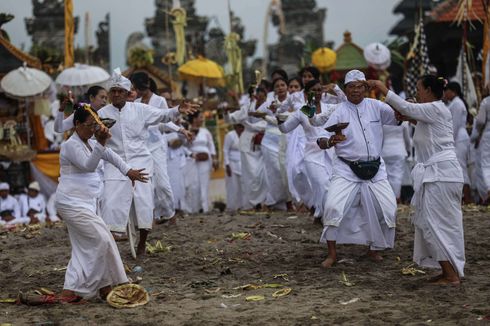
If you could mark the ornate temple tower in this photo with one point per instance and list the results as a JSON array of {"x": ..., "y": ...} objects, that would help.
[
  {"x": 47, "y": 29},
  {"x": 159, "y": 29},
  {"x": 303, "y": 30}
]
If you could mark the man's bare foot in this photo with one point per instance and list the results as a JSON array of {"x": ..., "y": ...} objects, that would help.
[
  {"x": 104, "y": 292},
  {"x": 447, "y": 281},
  {"x": 435, "y": 278},
  {"x": 329, "y": 262},
  {"x": 374, "y": 256}
]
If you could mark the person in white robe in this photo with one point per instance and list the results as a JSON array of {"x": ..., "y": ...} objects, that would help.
[
  {"x": 95, "y": 264},
  {"x": 157, "y": 144},
  {"x": 396, "y": 145},
  {"x": 273, "y": 147},
  {"x": 317, "y": 162},
  {"x": 233, "y": 169},
  {"x": 483, "y": 128},
  {"x": 457, "y": 107},
  {"x": 97, "y": 98},
  {"x": 129, "y": 140},
  {"x": 360, "y": 206},
  {"x": 205, "y": 159},
  {"x": 438, "y": 180},
  {"x": 254, "y": 186},
  {"x": 10, "y": 213},
  {"x": 177, "y": 157},
  {"x": 33, "y": 204}
]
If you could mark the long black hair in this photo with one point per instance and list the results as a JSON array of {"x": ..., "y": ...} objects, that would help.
[
  {"x": 312, "y": 70},
  {"x": 299, "y": 80},
  {"x": 310, "y": 84}
]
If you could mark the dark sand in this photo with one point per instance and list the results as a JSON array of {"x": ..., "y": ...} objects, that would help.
[{"x": 184, "y": 282}]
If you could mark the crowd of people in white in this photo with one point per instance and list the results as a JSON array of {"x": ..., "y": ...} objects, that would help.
[{"x": 296, "y": 144}]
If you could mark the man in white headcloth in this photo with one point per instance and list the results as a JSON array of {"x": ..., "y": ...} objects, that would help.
[
  {"x": 360, "y": 206},
  {"x": 9, "y": 207},
  {"x": 129, "y": 140},
  {"x": 33, "y": 205},
  {"x": 157, "y": 144}
]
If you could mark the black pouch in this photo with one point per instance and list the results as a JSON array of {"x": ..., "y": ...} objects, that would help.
[{"x": 365, "y": 170}]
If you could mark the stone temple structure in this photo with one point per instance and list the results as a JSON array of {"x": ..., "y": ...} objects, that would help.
[
  {"x": 159, "y": 29},
  {"x": 47, "y": 30},
  {"x": 303, "y": 31}
]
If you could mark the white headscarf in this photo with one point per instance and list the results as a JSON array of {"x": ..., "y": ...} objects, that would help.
[{"x": 119, "y": 81}]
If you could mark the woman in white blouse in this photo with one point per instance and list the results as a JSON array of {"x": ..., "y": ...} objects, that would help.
[
  {"x": 438, "y": 180},
  {"x": 95, "y": 264},
  {"x": 204, "y": 155}
]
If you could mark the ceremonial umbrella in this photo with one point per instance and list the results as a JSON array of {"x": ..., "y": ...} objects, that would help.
[
  {"x": 324, "y": 59},
  {"x": 202, "y": 70},
  {"x": 25, "y": 82},
  {"x": 81, "y": 75},
  {"x": 377, "y": 56}
]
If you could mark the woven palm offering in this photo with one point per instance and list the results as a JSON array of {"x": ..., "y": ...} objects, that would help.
[{"x": 128, "y": 296}]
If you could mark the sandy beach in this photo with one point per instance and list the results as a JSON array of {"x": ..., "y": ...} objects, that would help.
[{"x": 200, "y": 279}]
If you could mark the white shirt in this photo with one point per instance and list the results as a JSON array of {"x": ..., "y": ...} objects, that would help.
[
  {"x": 155, "y": 137},
  {"x": 459, "y": 114},
  {"x": 433, "y": 134},
  {"x": 37, "y": 203},
  {"x": 203, "y": 143},
  {"x": 252, "y": 125},
  {"x": 231, "y": 152},
  {"x": 313, "y": 153},
  {"x": 396, "y": 140},
  {"x": 130, "y": 134},
  {"x": 11, "y": 204},
  {"x": 79, "y": 182},
  {"x": 364, "y": 134}
]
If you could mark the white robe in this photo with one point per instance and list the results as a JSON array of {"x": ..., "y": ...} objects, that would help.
[
  {"x": 482, "y": 123},
  {"x": 438, "y": 182},
  {"x": 273, "y": 148},
  {"x": 199, "y": 184},
  {"x": 157, "y": 144},
  {"x": 396, "y": 144},
  {"x": 254, "y": 186},
  {"x": 95, "y": 261},
  {"x": 360, "y": 211},
  {"x": 129, "y": 140},
  {"x": 461, "y": 137},
  {"x": 176, "y": 161},
  {"x": 231, "y": 158},
  {"x": 317, "y": 162}
]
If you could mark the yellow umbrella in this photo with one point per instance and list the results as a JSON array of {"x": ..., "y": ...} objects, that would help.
[
  {"x": 202, "y": 70},
  {"x": 324, "y": 59}
]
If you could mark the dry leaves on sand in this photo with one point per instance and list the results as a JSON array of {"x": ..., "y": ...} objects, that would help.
[
  {"x": 255, "y": 298},
  {"x": 128, "y": 296},
  {"x": 410, "y": 270},
  {"x": 281, "y": 293},
  {"x": 241, "y": 236},
  {"x": 344, "y": 280},
  {"x": 157, "y": 248}
]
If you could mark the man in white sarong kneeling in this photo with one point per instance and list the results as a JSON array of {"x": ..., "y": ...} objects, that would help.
[{"x": 360, "y": 206}]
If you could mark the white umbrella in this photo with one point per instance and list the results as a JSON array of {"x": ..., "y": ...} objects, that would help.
[
  {"x": 377, "y": 56},
  {"x": 25, "y": 82},
  {"x": 81, "y": 75}
]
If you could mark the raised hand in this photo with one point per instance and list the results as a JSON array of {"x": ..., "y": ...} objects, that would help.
[
  {"x": 102, "y": 135},
  {"x": 186, "y": 107}
]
